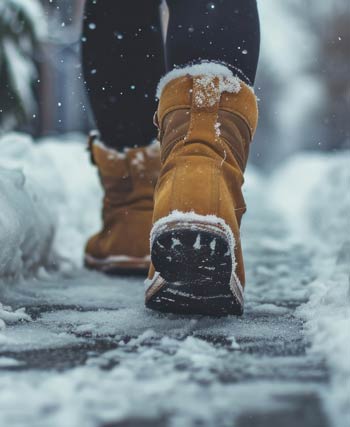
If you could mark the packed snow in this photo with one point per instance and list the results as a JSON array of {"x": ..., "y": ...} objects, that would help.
[
  {"x": 26, "y": 227},
  {"x": 79, "y": 348},
  {"x": 58, "y": 177},
  {"x": 45, "y": 218},
  {"x": 320, "y": 195}
]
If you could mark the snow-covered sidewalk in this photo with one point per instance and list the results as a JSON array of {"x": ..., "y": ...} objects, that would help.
[
  {"x": 318, "y": 212},
  {"x": 86, "y": 352}
]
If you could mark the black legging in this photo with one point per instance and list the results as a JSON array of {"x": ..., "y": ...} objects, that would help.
[{"x": 123, "y": 55}]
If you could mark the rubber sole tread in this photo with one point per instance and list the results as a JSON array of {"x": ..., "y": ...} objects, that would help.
[{"x": 197, "y": 268}]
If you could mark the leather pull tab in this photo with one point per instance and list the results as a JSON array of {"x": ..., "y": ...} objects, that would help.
[{"x": 205, "y": 107}]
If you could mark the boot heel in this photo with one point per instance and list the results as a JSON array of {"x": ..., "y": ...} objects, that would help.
[
  {"x": 195, "y": 261},
  {"x": 191, "y": 254}
]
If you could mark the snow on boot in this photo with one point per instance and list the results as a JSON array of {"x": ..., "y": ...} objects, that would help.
[
  {"x": 206, "y": 118},
  {"x": 128, "y": 179}
]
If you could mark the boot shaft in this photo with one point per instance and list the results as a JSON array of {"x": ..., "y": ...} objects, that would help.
[
  {"x": 206, "y": 124},
  {"x": 129, "y": 177},
  {"x": 217, "y": 111}
]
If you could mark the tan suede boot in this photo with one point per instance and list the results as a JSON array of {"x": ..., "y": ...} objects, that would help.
[
  {"x": 206, "y": 123},
  {"x": 128, "y": 179}
]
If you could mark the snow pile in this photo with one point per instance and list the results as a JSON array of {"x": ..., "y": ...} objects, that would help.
[
  {"x": 9, "y": 316},
  {"x": 313, "y": 191},
  {"x": 26, "y": 227},
  {"x": 327, "y": 316},
  {"x": 70, "y": 190},
  {"x": 49, "y": 205}
]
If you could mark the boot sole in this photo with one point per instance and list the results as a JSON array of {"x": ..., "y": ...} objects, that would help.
[
  {"x": 194, "y": 263},
  {"x": 118, "y": 265}
]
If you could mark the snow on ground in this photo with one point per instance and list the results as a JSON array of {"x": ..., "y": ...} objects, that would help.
[
  {"x": 68, "y": 183},
  {"x": 26, "y": 228},
  {"x": 45, "y": 214},
  {"x": 86, "y": 351},
  {"x": 314, "y": 193}
]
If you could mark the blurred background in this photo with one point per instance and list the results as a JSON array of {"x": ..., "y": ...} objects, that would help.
[{"x": 303, "y": 81}]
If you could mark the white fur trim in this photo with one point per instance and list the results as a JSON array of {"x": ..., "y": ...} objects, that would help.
[{"x": 228, "y": 82}]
